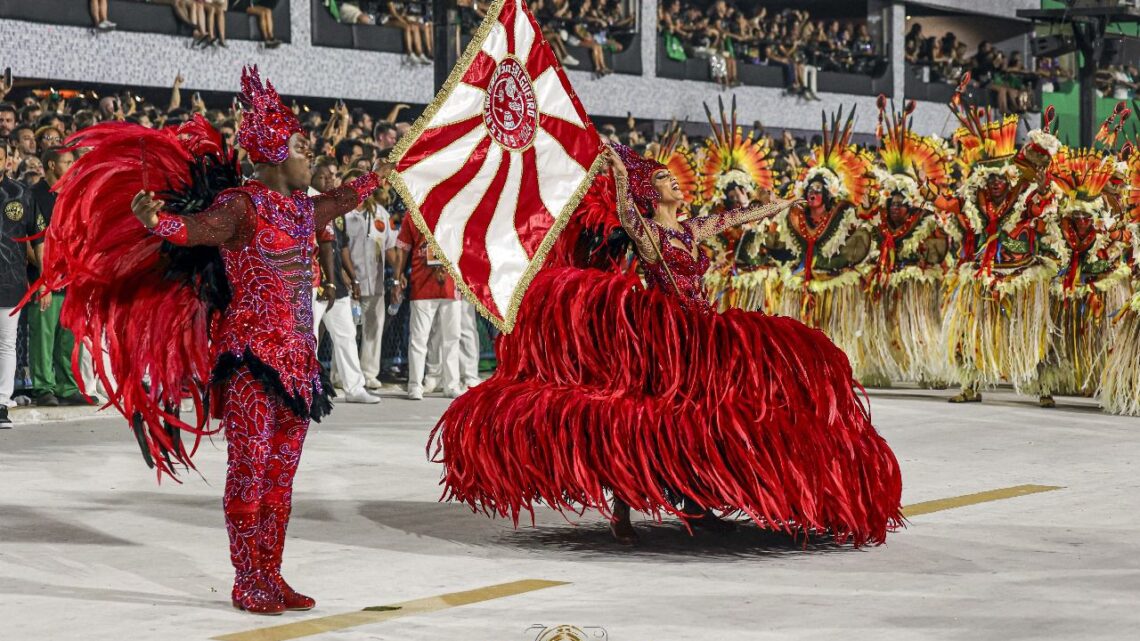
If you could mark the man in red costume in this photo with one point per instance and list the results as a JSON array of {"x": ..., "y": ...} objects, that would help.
[{"x": 265, "y": 364}]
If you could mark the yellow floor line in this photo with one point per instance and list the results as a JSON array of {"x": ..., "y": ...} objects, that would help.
[
  {"x": 377, "y": 614},
  {"x": 926, "y": 507}
]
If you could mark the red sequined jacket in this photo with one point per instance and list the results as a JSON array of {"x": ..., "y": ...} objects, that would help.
[{"x": 266, "y": 243}]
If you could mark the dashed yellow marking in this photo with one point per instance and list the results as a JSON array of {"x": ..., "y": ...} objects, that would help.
[
  {"x": 376, "y": 614},
  {"x": 927, "y": 507}
]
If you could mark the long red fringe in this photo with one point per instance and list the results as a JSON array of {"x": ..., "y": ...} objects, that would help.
[
  {"x": 147, "y": 334},
  {"x": 606, "y": 386}
]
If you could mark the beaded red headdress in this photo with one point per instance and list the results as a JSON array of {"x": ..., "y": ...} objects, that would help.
[
  {"x": 641, "y": 170},
  {"x": 266, "y": 122}
]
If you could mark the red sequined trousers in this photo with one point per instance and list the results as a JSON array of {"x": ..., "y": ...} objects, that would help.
[{"x": 265, "y": 439}]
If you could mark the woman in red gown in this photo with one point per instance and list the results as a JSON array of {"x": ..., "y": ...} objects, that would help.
[{"x": 643, "y": 392}]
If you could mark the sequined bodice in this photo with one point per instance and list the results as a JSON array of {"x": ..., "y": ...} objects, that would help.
[
  {"x": 271, "y": 312},
  {"x": 688, "y": 272}
]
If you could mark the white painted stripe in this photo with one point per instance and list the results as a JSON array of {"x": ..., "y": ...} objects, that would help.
[
  {"x": 559, "y": 174},
  {"x": 506, "y": 254},
  {"x": 453, "y": 219},
  {"x": 496, "y": 43},
  {"x": 552, "y": 98},
  {"x": 524, "y": 33},
  {"x": 464, "y": 102},
  {"x": 434, "y": 169}
]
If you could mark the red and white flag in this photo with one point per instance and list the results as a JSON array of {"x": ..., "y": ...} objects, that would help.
[{"x": 498, "y": 161}]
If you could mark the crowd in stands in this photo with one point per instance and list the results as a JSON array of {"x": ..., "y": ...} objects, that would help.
[
  {"x": 1119, "y": 82},
  {"x": 598, "y": 26},
  {"x": 34, "y": 125},
  {"x": 729, "y": 34},
  {"x": 1004, "y": 75}
]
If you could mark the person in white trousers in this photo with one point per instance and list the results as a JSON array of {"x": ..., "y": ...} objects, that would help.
[
  {"x": 371, "y": 243},
  {"x": 433, "y": 298},
  {"x": 468, "y": 351},
  {"x": 9, "y": 324},
  {"x": 337, "y": 317}
]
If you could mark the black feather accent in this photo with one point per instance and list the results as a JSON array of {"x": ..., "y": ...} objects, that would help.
[
  {"x": 139, "y": 428},
  {"x": 173, "y": 432},
  {"x": 228, "y": 364}
]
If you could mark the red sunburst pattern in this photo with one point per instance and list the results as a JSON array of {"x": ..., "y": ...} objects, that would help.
[{"x": 499, "y": 158}]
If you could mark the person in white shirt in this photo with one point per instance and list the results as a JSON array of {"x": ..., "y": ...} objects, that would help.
[
  {"x": 371, "y": 244},
  {"x": 337, "y": 315}
]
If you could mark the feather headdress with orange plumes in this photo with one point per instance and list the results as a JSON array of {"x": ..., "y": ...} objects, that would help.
[
  {"x": 983, "y": 138},
  {"x": 729, "y": 150},
  {"x": 905, "y": 153},
  {"x": 1081, "y": 174},
  {"x": 843, "y": 160},
  {"x": 680, "y": 162}
]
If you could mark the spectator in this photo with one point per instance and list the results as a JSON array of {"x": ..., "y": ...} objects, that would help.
[
  {"x": 29, "y": 114},
  {"x": 228, "y": 130},
  {"x": 18, "y": 222},
  {"x": 372, "y": 245},
  {"x": 216, "y": 22},
  {"x": 49, "y": 345},
  {"x": 552, "y": 16},
  {"x": 468, "y": 346},
  {"x": 30, "y": 171},
  {"x": 23, "y": 139},
  {"x": 82, "y": 120},
  {"x": 1051, "y": 73},
  {"x": 913, "y": 43},
  {"x": 8, "y": 119},
  {"x": 48, "y": 136},
  {"x": 1008, "y": 83},
  {"x": 349, "y": 12},
  {"x": 348, "y": 151},
  {"x": 339, "y": 279},
  {"x": 99, "y": 16},
  {"x": 982, "y": 64},
  {"x": 433, "y": 296},
  {"x": 590, "y": 33},
  {"x": 263, "y": 11},
  {"x": 385, "y": 135},
  {"x": 408, "y": 16}
]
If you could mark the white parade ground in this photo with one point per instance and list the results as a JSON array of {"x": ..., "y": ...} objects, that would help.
[{"x": 1042, "y": 545}]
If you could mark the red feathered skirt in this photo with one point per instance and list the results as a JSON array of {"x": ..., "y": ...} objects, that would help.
[{"x": 605, "y": 386}]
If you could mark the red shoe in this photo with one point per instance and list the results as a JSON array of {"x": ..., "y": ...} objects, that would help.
[{"x": 290, "y": 598}]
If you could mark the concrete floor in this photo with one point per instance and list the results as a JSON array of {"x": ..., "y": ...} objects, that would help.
[{"x": 91, "y": 548}]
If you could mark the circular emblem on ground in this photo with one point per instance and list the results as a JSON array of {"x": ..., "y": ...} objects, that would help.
[{"x": 509, "y": 109}]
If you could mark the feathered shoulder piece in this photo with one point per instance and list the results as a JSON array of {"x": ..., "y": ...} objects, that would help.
[
  {"x": 730, "y": 156},
  {"x": 141, "y": 307},
  {"x": 845, "y": 169}
]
